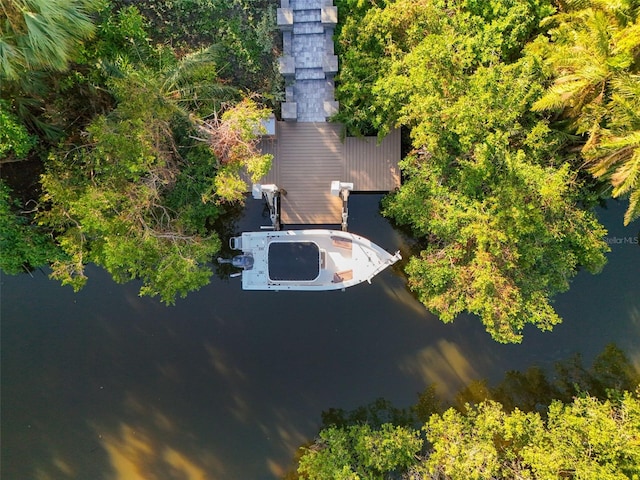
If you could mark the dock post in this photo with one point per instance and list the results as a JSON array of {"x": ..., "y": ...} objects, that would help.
[
  {"x": 342, "y": 189},
  {"x": 271, "y": 193}
]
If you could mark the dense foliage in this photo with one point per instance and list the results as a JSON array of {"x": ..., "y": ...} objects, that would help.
[
  {"x": 125, "y": 119},
  {"x": 15, "y": 141},
  {"x": 511, "y": 107},
  {"x": 583, "y": 439},
  {"x": 243, "y": 34},
  {"x": 40, "y": 34},
  {"x": 594, "y": 55},
  {"x": 359, "y": 451},
  {"x": 22, "y": 244},
  {"x": 527, "y": 427},
  {"x": 496, "y": 186}
]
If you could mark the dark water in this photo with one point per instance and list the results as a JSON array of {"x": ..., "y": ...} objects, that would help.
[{"x": 225, "y": 385}]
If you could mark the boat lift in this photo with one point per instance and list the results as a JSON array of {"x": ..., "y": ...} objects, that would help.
[
  {"x": 342, "y": 189},
  {"x": 271, "y": 193}
]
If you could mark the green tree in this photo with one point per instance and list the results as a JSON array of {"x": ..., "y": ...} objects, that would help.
[
  {"x": 15, "y": 140},
  {"x": 242, "y": 34},
  {"x": 526, "y": 427},
  {"x": 233, "y": 139},
  {"x": 362, "y": 35},
  {"x": 483, "y": 442},
  {"x": 584, "y": 439},
  {"x": 23, "y": 246},
  {"x": 107, "y": 198},
  {"x": 488, "y": 187},
  {"x": 128, "y": 185},
  {"x": 359, "y": 452},
  {"x": 504, "y": 236}
]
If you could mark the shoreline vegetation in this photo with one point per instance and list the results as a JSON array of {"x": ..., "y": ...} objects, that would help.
[
  {"x": 576, "y": 421},
  {"x": 125, "y": 126},
  {"x": 135, "y": 119}
]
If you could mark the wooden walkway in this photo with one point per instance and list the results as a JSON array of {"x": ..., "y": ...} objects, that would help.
[{"x": 308, "y": 156}]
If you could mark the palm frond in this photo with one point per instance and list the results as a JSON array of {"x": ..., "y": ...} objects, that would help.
[
  {"x": 9, "y": 60},
  {"x": 627, "y": 177},
  {"x": 575, "y": 5},
  {"x": 627, "y": 40},
  {"x": 190, "y": 64},
  {"x": 561, "y": 93},
  {"x": 43, "y": 33},
  {"x": 627, "y": 86},
  {"x": 624, "y": 113},
  {"x": 631, "y": 139},
  {"x": 44, "y": 44},
  {"x": 633, "y": 211},
  {"x": 617, "y": 160},
  {"x": 595, "y": 32},
  {"x": 193, "y": 83}
]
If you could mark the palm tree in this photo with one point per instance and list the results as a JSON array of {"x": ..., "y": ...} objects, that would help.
[
  {"x": 194, "y": 85},
  {"x": 594, "y": 58},
  {"x": 42, "y": 34},
  {"x": 580, "y": 58},
  {"x": 616, "y": 154}
]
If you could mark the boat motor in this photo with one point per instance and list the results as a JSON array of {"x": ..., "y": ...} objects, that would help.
[{"x": 244, "y": 261}]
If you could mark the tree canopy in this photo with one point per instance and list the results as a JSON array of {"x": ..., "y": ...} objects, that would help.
[
  {"x": 530, "y": 426},
  {"x": 493, "y": 186},
  {"x": 40, "y": 34},
  {"x": 593, "y": 52},
  {"x": 584, "y": 439},
  {"x": 520, "y": 116},
  {"x": 126, "y": 128}
]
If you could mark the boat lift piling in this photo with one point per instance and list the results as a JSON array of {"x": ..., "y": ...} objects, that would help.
[
  {"x": 342, "y": 189},
  {"x": 271, "y": 193}
]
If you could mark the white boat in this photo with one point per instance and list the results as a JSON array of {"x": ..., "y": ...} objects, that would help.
[{"x": 307, "y": 259}]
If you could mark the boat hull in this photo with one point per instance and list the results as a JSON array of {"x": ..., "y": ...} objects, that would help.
[{"x": 311, "y": 260}]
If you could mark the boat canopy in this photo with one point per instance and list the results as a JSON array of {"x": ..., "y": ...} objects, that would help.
[{"x": 294, "y": 261}]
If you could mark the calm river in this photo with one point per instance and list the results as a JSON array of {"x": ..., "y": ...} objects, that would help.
[{"x": 105, "y": 385}]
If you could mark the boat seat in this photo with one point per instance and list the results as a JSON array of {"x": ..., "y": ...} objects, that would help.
[
  {"x": 342, "y": 276},
  {"x": 341, "y": 242}
]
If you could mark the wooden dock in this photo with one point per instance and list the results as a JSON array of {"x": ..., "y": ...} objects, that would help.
[
  {"x": 308, "y": 156},
  {"x": 309, "y": 152}
]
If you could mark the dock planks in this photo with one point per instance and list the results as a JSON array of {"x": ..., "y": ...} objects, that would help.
[{"x": 308, "y": 156}]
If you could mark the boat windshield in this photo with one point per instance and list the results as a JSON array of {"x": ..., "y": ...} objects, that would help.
[{"x": 294, "y": 261}]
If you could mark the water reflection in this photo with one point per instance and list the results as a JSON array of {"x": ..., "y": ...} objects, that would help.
[
  {"x": 287, "y": 435},
  {"x": 444, "y": 364},
  {"x": 226, "y": 384},
  {"x": 151, "y": 446}
]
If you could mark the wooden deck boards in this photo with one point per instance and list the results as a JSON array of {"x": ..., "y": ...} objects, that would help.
[
  {"x": 370, "y": 165},
  {"x": 309, "y": 156}
]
